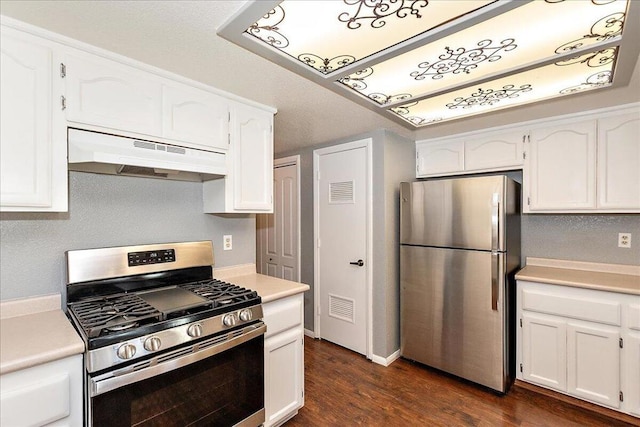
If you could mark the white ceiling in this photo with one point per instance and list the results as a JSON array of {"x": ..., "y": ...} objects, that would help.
[{"x": 180, "y": 36}]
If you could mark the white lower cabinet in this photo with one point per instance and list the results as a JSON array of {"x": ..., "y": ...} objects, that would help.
[
  {"x": 283, "y": 359},
  {"x": 580, "y": 342},
  {"x": 544, "y": 350},
  {"x": 49, "y": 394},
  {"x": 593, "y": 362}
]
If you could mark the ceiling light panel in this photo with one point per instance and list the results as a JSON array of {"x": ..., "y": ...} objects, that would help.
[
  {"x": 523, "y": 36},
  {"x": 587, "y": 72},
  {"x": 328, "y": 35}
]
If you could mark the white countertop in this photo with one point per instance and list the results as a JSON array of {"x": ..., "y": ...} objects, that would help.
[
  {"x": 35, "y": 330},
  {"x": 29, "y": 337},
  {"x": 269, "y": 288},
  {"x": 604, "y": 277}
]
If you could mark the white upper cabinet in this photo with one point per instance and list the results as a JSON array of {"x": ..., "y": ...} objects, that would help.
[
  {"x": 619, "y": 162},
  {"x": 33, "y": 151},
  {"x": 587, "y": 166},
  {"x": 111, "y": 95},
  {"x": 195, "y": 116},
  {"x": 470, "y": 154},
  {"x": 249, "y": 185},
  {"x": 502, "y": 150},
  {"x": 439, "y": 158},
  {"x": 561, "y": 167}
]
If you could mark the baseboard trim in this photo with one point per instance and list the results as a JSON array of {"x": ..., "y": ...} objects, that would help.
[
  {"x": 309, "y": 333},
  {"x": 386, "y": 361},
  {"x": 582, "y": 404}
]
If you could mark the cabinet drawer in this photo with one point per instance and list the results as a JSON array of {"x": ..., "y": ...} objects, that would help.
[
  {"x": 282, "y": 314},
  {"x": 578, "y": 306},
  {"x": 633, "y": 316}
]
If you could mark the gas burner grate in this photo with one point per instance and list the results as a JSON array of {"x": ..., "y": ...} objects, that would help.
[
  {"x": 112, "y": 313},
  {"x": 221, "y": 293}
]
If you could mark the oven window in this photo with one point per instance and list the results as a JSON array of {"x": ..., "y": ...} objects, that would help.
[{"x": 221, "y": 390}]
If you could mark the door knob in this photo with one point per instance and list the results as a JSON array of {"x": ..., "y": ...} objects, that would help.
[{"x": 359, "y": 263}]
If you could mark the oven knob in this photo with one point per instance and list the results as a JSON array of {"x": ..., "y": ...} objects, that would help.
[
  {"x": 152, "y": 344},
  {"x": 126, "y": 351},
  {"x": 246, "y": 315},
  {"x": 195, "y": 330},
  {"x": 229, "y": 319}
]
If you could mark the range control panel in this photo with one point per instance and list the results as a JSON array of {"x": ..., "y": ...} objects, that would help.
[{"x": 151, "y": 257}]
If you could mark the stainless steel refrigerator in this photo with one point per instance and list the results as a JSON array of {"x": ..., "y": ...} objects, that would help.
[{"x": 459, "y": 250}]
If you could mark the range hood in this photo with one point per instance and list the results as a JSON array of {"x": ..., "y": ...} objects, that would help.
[{"x": 118, "y": 155}]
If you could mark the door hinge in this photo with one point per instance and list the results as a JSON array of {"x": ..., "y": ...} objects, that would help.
[
  {"x": 621, "y": 342},
  {"x": 621, "y": 397},
  {"x": 521, "y": 323},
  {"x": 63, "y": 70},
  {"x": 521, "y": 367},
  {"x": 529, "y": 201},
  {"x": 63, "y": 102},
  {"x": 524, "y": 155},
  {"x": 318, "y": 175}
]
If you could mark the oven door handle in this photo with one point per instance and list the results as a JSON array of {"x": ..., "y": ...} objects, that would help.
[{"x": 131, "y": 374}]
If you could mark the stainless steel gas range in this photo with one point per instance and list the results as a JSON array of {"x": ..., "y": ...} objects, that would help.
[{"x": 166, "y": 344}]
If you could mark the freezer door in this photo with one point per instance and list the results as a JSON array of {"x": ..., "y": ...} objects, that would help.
[
  {"x": 453, "y": 313},
  {"x": 456, "y": 213}
]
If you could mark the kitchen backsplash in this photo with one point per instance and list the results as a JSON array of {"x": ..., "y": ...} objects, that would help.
[
  {"x": 581, "y": 237},
  {"x": 111, "y": 211}
]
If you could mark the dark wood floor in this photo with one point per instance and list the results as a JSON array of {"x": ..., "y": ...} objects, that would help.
[{"x": 342, "y": 388}]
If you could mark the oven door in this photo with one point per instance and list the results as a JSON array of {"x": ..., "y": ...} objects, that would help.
[{"x": 216, "y": 382}]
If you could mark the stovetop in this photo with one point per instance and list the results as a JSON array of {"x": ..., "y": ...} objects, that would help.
[{"x": 109, "y": 319}]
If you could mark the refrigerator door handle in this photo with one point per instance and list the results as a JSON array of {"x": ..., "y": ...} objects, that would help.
[
  {"x": 496, "y": 279},
  {"x": 495, "y": 221}
]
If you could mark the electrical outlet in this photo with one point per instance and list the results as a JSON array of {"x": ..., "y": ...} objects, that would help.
[
  {"x": 227, "y": 242},
  {"x": 624, "y": 240}
]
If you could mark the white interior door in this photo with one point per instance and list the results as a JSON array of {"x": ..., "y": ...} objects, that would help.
[
  {"x": 342, "y": 223},
  {"x": 277, "y": 233}
]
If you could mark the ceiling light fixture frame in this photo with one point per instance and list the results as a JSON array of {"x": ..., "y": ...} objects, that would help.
[{"x": 235, "y": 28}]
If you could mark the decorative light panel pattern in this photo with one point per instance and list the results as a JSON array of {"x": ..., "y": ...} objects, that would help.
[
  {"x": 537, "y": 84},
  {"x": 501, "y": 43},
  {"x": 428, "y": 61},
  {"x": 330, "y": 34}
]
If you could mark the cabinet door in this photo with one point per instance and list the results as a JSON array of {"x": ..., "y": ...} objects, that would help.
[
  {"x": 630, "y": 374},
  {"x": 619, "y": 162},
  {"x": 196, "y": 116},
  {"x": 284, "y": 371},
  {"x": 47, "y": 394},
  {"x": 439, "y": 158},
  {"x": 108, "y": 94},
  {"x": 562, "y": 168},
  {"x": 544, "y": 349},
  {"x": 32, "y": 154},
  {"x": 593, "y": 362},
  {"x": 252, "y": 156},
  {"x": 495, "y": 151}
]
